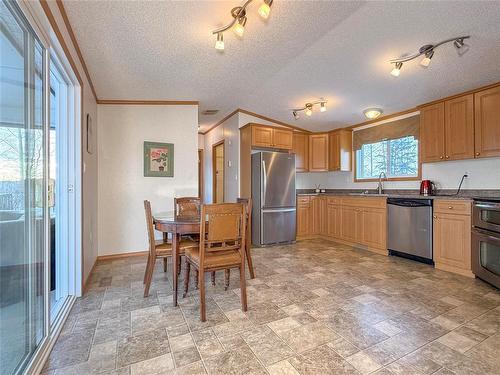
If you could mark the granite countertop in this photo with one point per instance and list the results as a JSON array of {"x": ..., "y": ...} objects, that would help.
[{"x": 413, "y": 194}]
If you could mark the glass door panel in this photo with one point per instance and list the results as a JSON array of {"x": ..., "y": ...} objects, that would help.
[{"x": 22, "y": 187}]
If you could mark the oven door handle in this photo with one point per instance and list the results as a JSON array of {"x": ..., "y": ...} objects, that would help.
[
  {"x": 491, "y": 206},
  {"x": 487, "y": 234}
]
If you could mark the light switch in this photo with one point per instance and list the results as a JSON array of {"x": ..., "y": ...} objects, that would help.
[{"x": 229, "y": 163}]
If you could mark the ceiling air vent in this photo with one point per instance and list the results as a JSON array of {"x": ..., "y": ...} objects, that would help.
[{"x": 210, "y": 112}]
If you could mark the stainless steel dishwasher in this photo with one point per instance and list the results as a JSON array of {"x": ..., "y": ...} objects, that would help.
[{"x": 409, "y": 223}]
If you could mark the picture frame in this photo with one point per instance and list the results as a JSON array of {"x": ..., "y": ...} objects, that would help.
[
  {"x": 158, "y": 159},
  {"x": 89, "y": 131}
]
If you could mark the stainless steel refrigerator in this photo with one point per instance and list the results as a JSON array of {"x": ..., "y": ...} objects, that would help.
[{"x": 273, "y": 195}]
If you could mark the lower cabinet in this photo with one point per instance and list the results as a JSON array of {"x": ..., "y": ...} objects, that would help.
[
  {"x": 452, "y": 240},
  {"x": 304, "y": 216},
  {"x": 333, "y": 220},
  {"x": 374, "y": 228},
  {"x": 350, "y": 229}
]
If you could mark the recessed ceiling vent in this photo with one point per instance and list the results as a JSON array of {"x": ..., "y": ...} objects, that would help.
[{"x": 210, "y": 112}]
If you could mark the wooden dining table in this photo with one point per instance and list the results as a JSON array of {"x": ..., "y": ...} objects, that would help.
[{"x": 176, "y": 225}]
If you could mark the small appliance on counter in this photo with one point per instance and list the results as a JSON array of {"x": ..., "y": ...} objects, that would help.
[
  {"x": 486, "y": 240},
  {"x": 427, "y": 187}
]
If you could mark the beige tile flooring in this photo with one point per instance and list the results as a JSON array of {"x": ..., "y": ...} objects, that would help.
[{"x": 316, "y": 307}]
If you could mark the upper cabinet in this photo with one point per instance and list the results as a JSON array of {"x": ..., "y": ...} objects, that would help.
[
  {"x": 270, "y": 137},
  {"x": 459, "y": 128},
  {"x": 463, "y": 127},
  {"x": 340, "y": 150},
  {"x": 487, "y": 122},
  {"x": 432, "y": 132},
  {"x": 300, "y": 147},
  {"x": 318, "y": 152}
]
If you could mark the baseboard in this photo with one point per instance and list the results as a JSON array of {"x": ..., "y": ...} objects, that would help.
[
  {"x": 343, "y": 242},
  {"x": 122, "y": 255},
  {"x": 453, "y": 269}
]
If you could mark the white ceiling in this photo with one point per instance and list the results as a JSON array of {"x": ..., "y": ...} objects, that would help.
[{"x": 164, "y": 50}]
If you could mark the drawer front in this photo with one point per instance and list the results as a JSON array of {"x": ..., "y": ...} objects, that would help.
[
  {"x": 303, "y": 201},
  {"x": 452, "y": 206},
  {"x": 333, "y": 201},
  {"x": 368, "y": 202}
]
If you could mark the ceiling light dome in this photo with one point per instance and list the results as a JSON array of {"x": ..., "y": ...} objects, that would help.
[{"x": 372, "y": 113}]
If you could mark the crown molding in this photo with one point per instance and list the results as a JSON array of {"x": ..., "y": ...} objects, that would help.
[
  {"x": 146, "y": 102},
  {"x": 72, "y": 36}
]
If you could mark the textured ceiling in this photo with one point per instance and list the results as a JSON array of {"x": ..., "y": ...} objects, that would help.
[{"x": 164, "y": 50}]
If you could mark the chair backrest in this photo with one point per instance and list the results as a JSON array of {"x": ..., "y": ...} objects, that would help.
[
  {"x": 150, "y": 227},
  {"x": 187, "y": 206},
  {"x": 248, "y": 205},
  {"x": 222, "y": 228}
]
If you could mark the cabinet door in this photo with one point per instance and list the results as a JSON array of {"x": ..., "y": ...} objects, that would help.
[
  {"x": 487, "y": 122},
  {"x": 459, "y": 128},
  {"x": 318, "y": 219},
  {"x": 262, "y": 136},
  {"x": 432, "y": 132},
  {"x": 374, "y": 228},
  {"x": 300, "y": 147},
  {"x": 452, "y": 240},
  {"x": 333, "y": 221},
  {"x": 318, "y": 152},
  {"x": 334, "y": 151},
  {"x": 351, "y": 225},
  {"x": 282, "y": 138},
  {"x": 303, "y": 219}
]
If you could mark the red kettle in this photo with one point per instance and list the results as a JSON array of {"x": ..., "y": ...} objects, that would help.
[{"x": 427, "y": 187}]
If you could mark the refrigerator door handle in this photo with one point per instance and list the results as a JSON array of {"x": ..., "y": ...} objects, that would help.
[
  {"x": 264, "y": 182},
  {"x": 265, "y": 210}
]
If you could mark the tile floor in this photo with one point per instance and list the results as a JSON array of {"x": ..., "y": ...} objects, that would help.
[{"x": 317, "y": 307}]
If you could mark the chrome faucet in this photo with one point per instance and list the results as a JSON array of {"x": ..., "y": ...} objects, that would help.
[{"x": 380, "y": 187}]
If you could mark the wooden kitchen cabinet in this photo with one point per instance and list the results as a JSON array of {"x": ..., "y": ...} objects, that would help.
[
  {"x": 319, "y": 215},
  {"x": 304, "y": 215},
  {"x": 374, "y": 228},
  {"x": 432, "y": 133},
  {"x": 487, "y": 122},
  {"x": 351, "y": 227},
  {"x": 333, "y": 220},
  {"x": 459, "y": 128},
  {"x": 318, "y": 152},
  {"x": 270, "y": 137},
  {"x": 452, "y": 238},
  {"x": 340, "y": 150},
  {"x": 300, "y": 147}
]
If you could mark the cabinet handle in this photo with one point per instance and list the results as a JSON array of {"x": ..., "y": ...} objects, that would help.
[
  {"x": 447, "y": 157},
  {"x": 450, "y": 207},
  {"x": 478, "y": 153},
  {"x": 435, "y": 217},
  {"x": 441, "y": 157}
]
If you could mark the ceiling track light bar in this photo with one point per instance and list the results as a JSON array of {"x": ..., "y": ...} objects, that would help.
[
  {"x": 308, "y": 107},
  {"x": 239, "y": 20},
  {"x": 458, "y": 42}
]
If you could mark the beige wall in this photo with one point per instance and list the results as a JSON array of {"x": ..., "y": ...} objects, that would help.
[{"x": 123, "y": 187}]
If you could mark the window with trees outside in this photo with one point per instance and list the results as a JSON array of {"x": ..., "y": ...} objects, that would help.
[{"x": 391, "y": 148}]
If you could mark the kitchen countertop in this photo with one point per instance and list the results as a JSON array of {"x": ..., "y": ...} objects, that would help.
[{"x": 412, "y": 194}]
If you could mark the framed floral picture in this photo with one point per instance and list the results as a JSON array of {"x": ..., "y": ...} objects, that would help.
[{"x": 158, "y": 159}]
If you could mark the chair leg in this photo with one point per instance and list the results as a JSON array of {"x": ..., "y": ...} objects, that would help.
[
  {"x": 179, "y": 265},
  {"x": 149, "y": 277},
  {"x": 147, "y": 268},
  {"x": 196, "y": 280},
  {"x": 227, "y": 275},
  {"x": 165, "y": 262},
  {"x": 250, "y": 263},
  {"x": 203, "y": 314},
  {"x": 213, "y": 278},
  {"x": 243, "y": 288},
  {"x": 186, "y": 277}
]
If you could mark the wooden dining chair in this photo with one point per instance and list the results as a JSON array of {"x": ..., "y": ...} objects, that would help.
[
  {"x": 247, "y": 202},
  {"x": 159, "y": 249},
  {"x": 222, "y": 246},
  {"x": 188, "y": 206}
]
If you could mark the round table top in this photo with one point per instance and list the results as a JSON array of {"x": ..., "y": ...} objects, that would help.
[{"x": 169, "y": 217}]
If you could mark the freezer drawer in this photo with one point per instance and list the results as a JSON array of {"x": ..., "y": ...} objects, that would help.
[{"x": 278, "y": 226}]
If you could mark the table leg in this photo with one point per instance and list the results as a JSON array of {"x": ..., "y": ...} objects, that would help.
[{"x": 175, "y": 264}]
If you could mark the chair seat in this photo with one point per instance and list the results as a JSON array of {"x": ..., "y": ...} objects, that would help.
[
  {"x": 165, "y": 248},
  {"x": 215, "y": 259}
]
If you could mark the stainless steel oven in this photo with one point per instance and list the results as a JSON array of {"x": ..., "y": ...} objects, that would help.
[{"x": 486, "y": 241}]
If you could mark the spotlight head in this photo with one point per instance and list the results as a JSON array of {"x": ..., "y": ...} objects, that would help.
[
  {"x": 219, "y": 44},
  {"x": 295, "y": 115},
  {"x": 397, "y": 69},
  {"x": 427, "y": 59},
  {"x": 308, "y": 110},
  {"x": 322, "y": 107}
]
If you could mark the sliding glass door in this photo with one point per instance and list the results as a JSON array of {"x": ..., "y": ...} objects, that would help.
[{"x": 23, "y": 211}]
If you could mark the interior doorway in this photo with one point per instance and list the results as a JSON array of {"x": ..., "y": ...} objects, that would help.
[
  {"x": 218, "y": 172},
  {"x": 201, "y": 186}
]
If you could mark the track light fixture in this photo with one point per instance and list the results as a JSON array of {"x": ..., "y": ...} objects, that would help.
[
  {"x": 308, "y": 108},
  {"x": 428, "y": 51},
  {"x": 239, "y": 21}
]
